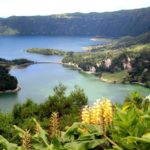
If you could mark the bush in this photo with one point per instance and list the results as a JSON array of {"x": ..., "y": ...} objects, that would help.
[{"x": 104, "y": 126}]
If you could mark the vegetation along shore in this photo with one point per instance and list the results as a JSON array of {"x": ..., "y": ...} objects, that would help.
[
  {"x": 125, "y": 60},
  {"x": 9, "y": 83}
]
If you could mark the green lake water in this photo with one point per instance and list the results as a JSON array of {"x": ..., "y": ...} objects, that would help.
[{"x": 37, "y": 81}]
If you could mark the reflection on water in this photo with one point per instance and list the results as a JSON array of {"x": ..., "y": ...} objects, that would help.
[{"x": 7, "y": 99}]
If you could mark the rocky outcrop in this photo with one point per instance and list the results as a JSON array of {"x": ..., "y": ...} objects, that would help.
[
  {"x": 108, "y": 62},
  {"x": 127, "y": 64}
]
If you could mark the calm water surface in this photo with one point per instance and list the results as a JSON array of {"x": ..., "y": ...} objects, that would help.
[{"x": 37, "y": 81}]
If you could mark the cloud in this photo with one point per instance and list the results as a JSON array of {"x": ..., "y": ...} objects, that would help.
[{"x": 47, "y": 7}]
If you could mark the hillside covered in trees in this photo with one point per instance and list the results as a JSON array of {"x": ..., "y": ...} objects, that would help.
[
  {"x": 124, "y": 60},
  {"x": 108, "y": 24}
]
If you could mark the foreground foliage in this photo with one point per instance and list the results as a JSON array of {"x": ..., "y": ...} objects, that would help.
[
  {"x": 67, "y": 105},
  {"x": 103, "y": 126}
]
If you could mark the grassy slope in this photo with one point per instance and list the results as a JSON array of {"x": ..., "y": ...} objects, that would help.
[
  {"x": 4, "y": 30},
  {"x": 117, "y": 77}
]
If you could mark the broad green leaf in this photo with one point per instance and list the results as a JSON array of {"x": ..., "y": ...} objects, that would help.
[
  {"x": 72, "y": 132},
  {"x": 146, "y": 116},
  {"x": 56, "y": 144},
  {"x": 93, "y": 129},
  {"x": 94, "y": 143},
  {"x": 132, "y": 139},
  {"x": 86, "y": 136},
  {"x": 73, "y": 129},
  {"x": 75, "y": 146},
  {"x": 19, "y": 131},
  {"x": 40, "y": 147},
  {"x": 126, "y": 106},
  {"x": 117, "y": 148},
  {"x": 41, "y": 137},
  {"x": 9, "y": 146},
  {"x": 146, "y": 135},
  {"x": 84, "y": 145}
]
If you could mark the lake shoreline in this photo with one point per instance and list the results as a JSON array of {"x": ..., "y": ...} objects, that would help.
[
  {"x": 17, "y": 89},
  {"x": 77, "y": 68},
  {"x": 103, "y": 79},
  {"x": 109, "y": 81},
  {"x": 21, "y": 65}
]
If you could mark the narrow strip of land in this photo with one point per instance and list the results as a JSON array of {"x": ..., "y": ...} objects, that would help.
[{"x": 49, "y": 62}]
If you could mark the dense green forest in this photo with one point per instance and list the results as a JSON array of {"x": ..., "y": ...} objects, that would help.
[
  {"x": 62, "y": 123},
  {"x": 8, "y": 63},
  {"x": 108, "y": 24},
  {"x": 7, "y": 81}
]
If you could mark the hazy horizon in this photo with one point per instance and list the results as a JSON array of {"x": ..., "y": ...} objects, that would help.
[
  {"x": 72, "y": 13},
  {"x": 50, "y": 7}
]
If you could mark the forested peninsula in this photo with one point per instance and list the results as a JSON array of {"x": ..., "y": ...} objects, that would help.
[
  {"x": 9, "y": 83},
  {"x": 46, "y": 51}
]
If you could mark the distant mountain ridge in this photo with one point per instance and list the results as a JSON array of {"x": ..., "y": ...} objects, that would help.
[{"x": 107, "y": 24}]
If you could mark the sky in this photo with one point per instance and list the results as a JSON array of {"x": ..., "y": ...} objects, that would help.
[{"x": 48, "y": 7}]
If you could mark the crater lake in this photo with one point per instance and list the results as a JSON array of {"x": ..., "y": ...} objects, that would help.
[{"x": 37, "y": 81}]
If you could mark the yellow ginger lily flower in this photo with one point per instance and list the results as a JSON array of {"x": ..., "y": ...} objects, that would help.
[
  {"x": 53, "y": 125},
  {"x": 85, "y": 115},
  {"x": 26, "y": 140},
  {"x": 93, "y": 116},
  {"x": 100, "y": 113},
  {"x": 107, "y": 111}
]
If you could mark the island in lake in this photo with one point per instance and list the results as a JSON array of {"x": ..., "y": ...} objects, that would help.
[{"x": 46, "y": 51}]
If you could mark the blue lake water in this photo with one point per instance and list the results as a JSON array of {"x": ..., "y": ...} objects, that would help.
[
  {"x": 14, "y": 46},
  {"x": 37, "y": 81}
]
